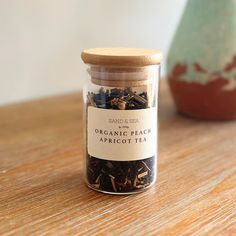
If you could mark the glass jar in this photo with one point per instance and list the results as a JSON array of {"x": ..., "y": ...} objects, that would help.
[{"x": 121, "y": 119}]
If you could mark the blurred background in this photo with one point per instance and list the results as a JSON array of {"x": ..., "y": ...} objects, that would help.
[{"x": 41, "y": 41}]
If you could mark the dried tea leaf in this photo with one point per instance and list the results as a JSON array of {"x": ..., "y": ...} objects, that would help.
[
  {"x": 113, "y": 184},
  {"x": 91, "y": 101},
  {"x": 145, "y": 173}
]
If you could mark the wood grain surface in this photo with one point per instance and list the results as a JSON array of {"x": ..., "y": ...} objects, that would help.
[{"x": 42, "y": 191}]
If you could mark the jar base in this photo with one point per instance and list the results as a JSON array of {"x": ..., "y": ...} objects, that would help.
[{"x": 121, "y": 193}]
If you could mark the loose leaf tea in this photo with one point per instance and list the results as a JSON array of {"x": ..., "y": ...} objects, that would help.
[{"x": 119, "y": 176}]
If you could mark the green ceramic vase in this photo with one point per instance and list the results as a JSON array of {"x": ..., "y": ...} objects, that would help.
[{"x": 202, "y": 60}]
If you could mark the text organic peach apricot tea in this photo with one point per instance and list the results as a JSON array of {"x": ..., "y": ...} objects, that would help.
[{"x": 121, "y": 99}]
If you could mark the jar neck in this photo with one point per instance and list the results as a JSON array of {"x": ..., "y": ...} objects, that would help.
[{"x": 123, "y": 76}]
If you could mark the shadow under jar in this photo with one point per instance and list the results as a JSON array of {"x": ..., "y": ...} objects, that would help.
[{"x": 120, "y": 119}]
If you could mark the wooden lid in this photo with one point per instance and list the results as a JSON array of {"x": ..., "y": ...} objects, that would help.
[{"x": 121, "y": 56}]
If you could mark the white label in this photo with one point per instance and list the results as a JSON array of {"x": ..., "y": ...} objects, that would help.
[{"x": 122, "y": 135}]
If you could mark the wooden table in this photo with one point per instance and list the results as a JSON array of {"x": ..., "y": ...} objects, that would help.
[{"x": 42, "y": 191}]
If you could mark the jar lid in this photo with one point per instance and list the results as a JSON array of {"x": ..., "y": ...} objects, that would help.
[{"x": 121, "y": 56}]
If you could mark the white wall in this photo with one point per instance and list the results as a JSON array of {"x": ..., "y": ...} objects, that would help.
[{"x": 41, "y": 40}]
